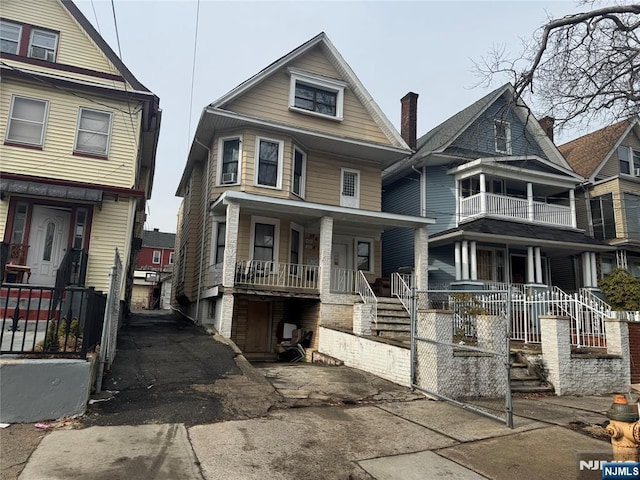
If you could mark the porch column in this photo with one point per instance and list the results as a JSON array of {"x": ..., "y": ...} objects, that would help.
[
  {"x": 530, "y": 265},
  {"x": 465, "y": 260},
  {"x": 483, "y": 194},
  {"x": 594, "y": 270},
  {"x": 538, "y": 266},
  {"x": 473, "y": 261},
  {"x": 458, "y": 261},
  {"x": 421, "y": 258},
  {"x": 586, "y": 269},
  {"x": 572, "y": 204},
  {"x": 231, "y": 244},
  {"x": 326, "y": 240},
  {"x": 530, "y": 212}
]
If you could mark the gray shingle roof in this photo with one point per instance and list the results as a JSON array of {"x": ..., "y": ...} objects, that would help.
[{"x": 152, "y": 238}]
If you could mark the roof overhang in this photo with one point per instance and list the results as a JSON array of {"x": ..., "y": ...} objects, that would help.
[{"x": 285, "y": 206}]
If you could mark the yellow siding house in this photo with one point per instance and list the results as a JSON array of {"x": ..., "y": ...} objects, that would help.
[
  {"x": 281, "y": 217},
  {"x": 77, "y": 157}
]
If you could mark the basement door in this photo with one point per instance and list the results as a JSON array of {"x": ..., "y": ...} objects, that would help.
[
  {"x": 258, "y": 327},
  {"x": 47, "y": 243}
]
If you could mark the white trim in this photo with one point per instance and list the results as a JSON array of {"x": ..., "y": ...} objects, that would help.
[
  {"x": 276, "y": 235},
  {"x": 633, "y": 125},
  {"x": 348, "y": 200},
  {"x": 507, "y": 134},
  {"x": 19, "y": 27},
  {"x": 372, "y": 261},
  {"x": 300, "y": 230},
  {"x": 153, "y": 258},
  {"x": 256, "y": 174},
  {"x": 303, "y": 178},
  {"x": 219, "y": 159},
  {"x": 108, "y": 134},
  {"x": 44, "y": 120},
  {"x": 316, "y": 81}
]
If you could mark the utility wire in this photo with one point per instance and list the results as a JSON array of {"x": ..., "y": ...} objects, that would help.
[{"x": 193, "y": 72}]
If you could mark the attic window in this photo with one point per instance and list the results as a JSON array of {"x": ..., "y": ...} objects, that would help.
[
  {"x": 503, "y": 136},
  {"x": 315, "y": 95},
  {"x": 42, "y": 45}
]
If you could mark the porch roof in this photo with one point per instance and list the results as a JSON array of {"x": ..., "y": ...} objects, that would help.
[
  {"x": 520, "y": 233},
  {"x": 271, "y": 205}
]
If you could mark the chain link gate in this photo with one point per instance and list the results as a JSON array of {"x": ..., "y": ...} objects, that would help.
[{"x": 460, "y": 349}]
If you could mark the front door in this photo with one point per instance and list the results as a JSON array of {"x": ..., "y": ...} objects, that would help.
[
  {"x": 47, "y": 243},
  {"x": 341, "y": 272},
  {"x": 518, "y": 269},
  {"x": 258, "y": 327}
]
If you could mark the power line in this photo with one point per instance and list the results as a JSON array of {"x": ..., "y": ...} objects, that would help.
[{"x": 193, "y": 71}]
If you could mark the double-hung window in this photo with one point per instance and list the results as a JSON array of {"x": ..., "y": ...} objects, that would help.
[
  {"x": 503, "y": 136},
  {"x": 264, "y": 243},
  {"x": 10, "y": 37},
  {"x": 229, "y": 155},
  {"x": 316, "y": 95},
  {"x": 156, "y": 256},
  {"x": 364, "y": 255},
  {"x": 299, "y": 172},
  {"x": 43, "y": 44},
  {"x": 629, "y": 161},
  {"x": 27, "y": 121},
  {"x": 93, "y": 133},
  {"x": 269, "y": 162},
  {"x": 220, "y": 241}
]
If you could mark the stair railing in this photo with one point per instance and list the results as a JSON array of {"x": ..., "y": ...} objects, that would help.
[
  {"x": 400, "y": 289},
  {"x": 365, "y": 291}
]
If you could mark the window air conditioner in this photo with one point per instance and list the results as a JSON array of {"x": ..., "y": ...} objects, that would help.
[
  {"x": 229, "y": 177},
  {"x": 42, "y": 54}
]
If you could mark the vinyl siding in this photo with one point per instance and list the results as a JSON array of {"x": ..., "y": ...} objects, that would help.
[
  {"x": 441, "y": 199},
  {"x": 479, "y": 137},
  {"x": 612, "y": 166},
  {"x": 270, "y": 100},
  {"x": 582, "y": 212},
  {"x": 56, "y": 159},
  {"x": 442, "y": 267},
  {"x": 74, "y": 45}
]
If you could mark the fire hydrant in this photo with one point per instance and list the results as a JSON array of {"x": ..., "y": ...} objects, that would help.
[{"x": 624, "y": 430}]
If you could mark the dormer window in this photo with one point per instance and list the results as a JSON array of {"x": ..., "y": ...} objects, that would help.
[
  {"x": 10, "y": 37},
  {"x": 503, "y": 136},
  {"x": 316, "y": 95},
  {"x": 42, "y": 45}
]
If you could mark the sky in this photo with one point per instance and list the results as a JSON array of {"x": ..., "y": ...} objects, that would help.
[{"x": 426, "y": 47}]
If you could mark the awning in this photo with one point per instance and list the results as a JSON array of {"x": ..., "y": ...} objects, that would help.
[{"x": 48, "y": 190}]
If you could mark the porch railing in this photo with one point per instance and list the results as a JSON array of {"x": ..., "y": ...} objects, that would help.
[
  {"x": 401, "y": 288},
  {"x": 504, "y": 206},
  {"x": 366, "y": 293},
  {"x": 343, "y": 280},
  {"x": 276, "y": 274},
  {"x": 33, "y": 323}
]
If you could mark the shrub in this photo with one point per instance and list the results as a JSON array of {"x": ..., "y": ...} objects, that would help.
[{"x": 621, "y": 290}]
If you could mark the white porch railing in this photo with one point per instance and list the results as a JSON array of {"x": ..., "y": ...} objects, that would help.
[
  {"x": 401, "y": 288},
  {"x": 343, "y": 280},
  {"x": 366, "y": 293},
  {"x": 276, "y": 274},
  {"x": 503, "y": 206}
]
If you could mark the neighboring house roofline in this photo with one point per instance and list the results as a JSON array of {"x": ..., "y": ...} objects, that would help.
[
  {"x": 102, "y": 45},
  {"x": 633, "y": 124},
  {"x": 355, "y": 215},
  {"x": 343, "y": 68},
  {"x": 439, "y": 138}
]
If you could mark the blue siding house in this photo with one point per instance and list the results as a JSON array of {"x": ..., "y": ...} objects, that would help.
[{"x": 502, "y": 196}]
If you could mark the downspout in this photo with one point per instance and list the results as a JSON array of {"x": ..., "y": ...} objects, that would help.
[{"x": 205, "y": 211}]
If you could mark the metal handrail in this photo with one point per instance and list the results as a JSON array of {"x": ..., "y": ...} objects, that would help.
[
  {"x": 366, "y": 293},
  {"x": 400, "y": 289}
]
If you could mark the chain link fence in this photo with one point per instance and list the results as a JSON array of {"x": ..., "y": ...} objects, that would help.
[{"x": 460, "y": 349}]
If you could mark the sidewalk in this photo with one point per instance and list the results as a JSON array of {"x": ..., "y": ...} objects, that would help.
[{"x": 304, "y": 421}]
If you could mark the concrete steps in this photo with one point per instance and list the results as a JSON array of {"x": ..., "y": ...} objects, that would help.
[
  {"x": 524, "y": 379},
  {"x": 393, "y": 320}
]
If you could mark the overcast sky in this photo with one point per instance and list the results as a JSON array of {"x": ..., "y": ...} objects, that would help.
[{"x": 393, "y": 47}]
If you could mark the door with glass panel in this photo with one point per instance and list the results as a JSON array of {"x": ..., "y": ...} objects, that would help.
[{"x": 48, "y": 238}]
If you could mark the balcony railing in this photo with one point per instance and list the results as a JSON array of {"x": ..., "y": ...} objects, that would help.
[
  {"x": 343, "y": 280},
  {"x": 257, "y": 273},
  {"x": 502, "y": 206}
]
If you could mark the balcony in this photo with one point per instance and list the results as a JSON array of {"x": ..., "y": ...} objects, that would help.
[{"x": 514, "y": 208}]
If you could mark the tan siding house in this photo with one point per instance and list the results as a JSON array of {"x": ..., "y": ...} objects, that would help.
[
  {"x": 286, "y": 173},
  {"x": 610, "y": 159},
  {"x": 74, "y": 182}
]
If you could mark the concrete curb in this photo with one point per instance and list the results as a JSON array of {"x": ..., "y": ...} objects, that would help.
[{"x": 243, "y": 364}]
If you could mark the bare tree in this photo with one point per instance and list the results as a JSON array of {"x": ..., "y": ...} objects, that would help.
[{"x": 579, "y": 68}]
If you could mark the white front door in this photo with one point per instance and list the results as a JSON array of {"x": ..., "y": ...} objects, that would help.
[
  {"x": 47, "y": 243},
  {"x": 341, "y": 271}
]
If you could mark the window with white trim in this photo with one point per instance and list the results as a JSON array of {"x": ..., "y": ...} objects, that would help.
[
  {"x": 503, "y": 136},
  {"x": 269, "y": 162},
  {"x": 299, "y": 172},
  {"x": 156, "y": 256},
  {"x": 171, "y": 256},
  {"x": 229, "y": 161},
  {"x": 603, "y": 220},
  {"x": 43, "y": 44},
  {"x": 27, "y": 121},
  {"x": 350, "y": 188},
  {"x": 364, "y": 255},
  {"x": 316, "y": 95},
  {"x": 93, "y": 132},
  {"x": 221, "y": 235},
  {"x": 10, "y": 37},
  {"x": 265, "y": 238},
  {"x": 629, "y": 161}
]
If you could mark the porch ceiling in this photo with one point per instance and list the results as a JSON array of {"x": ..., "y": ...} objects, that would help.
[
  {"x": 520, "y": 233},
  {"x": 307, "y": 211}
]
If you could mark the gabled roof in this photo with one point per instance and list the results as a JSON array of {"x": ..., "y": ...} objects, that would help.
[
  {"x": 153, "y": 238},
  {"x": 587, "y": 154},
  {"x": 442, "y": 136}
]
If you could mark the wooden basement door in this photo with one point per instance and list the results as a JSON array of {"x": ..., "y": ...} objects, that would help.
[{"x": 258, "y": 327}]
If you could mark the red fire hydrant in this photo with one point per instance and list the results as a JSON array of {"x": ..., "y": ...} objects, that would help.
[{"x": 624, "y": 430}]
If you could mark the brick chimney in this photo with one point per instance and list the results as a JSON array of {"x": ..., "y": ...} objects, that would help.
[
  {"x": 409, "y": 118},
  {"x": 547, "y": 125}
]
